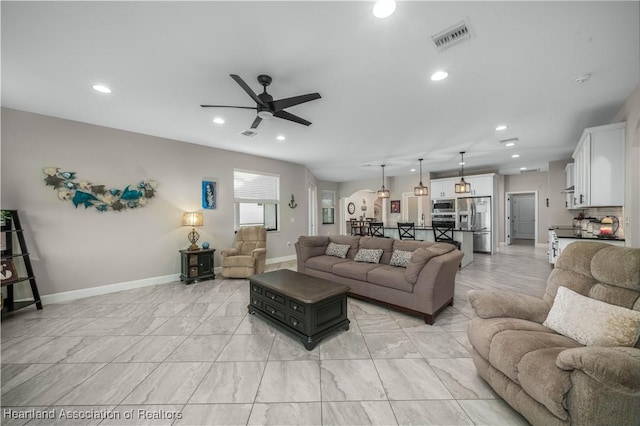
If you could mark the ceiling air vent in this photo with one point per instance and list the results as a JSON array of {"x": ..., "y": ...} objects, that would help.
[
  {"x": 530, "y": 171},
  {"x": 452, "y": 36},
  {"x": 249, "y": 132}
]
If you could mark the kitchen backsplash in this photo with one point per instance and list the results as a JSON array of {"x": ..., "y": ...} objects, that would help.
[{"x": 600, "y": 212}]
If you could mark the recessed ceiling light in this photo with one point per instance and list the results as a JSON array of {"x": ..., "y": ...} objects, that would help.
[
  {"x": 439, "y": 75},
  {"x": 218, "y": 120},
  {"x": 412, "y": 170},
  {"x": 384, "y": 8},
  {"x": 280, "y": 137},
  {"x": 501, "y": 127},
  {"x": 462, "y": 163},
  {"x": 510, "y": 144},
  {"x": 515, "y": 156},
  {"x": 523, "y": 168},
  {"x": 101, "y": 88}
]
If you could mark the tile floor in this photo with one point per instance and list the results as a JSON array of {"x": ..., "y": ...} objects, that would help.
[{"x": 190, "y": 355}]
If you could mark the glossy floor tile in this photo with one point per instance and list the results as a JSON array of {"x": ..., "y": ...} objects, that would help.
[{"x": 174, "y": 354}]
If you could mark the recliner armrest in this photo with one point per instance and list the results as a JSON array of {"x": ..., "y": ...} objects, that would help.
[
  {"x": 230, "y": 252},
  {"x": 616, "y": 367},
  {"x": 493, "y": 304},
  {"x": 259, "y": 252}
]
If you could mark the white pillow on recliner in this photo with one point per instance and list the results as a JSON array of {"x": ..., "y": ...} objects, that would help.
[{"x": 591, "y": 322}]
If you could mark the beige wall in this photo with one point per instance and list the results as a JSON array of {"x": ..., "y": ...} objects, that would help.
[
  {"x": 73, "y": 248},
  {"x": 630, "y": 112},
  {"x": 557, "y": 178}
]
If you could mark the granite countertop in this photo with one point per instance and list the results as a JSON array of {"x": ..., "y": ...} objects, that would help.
[{"x": 581, "y": 235}]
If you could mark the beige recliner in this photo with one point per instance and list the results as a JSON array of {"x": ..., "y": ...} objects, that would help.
[
  {"x": 552, "y": 379},
  {"x": 249, "y": 254}
]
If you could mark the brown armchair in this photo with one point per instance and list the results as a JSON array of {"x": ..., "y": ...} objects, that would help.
[{"x": 249, "y": 254}]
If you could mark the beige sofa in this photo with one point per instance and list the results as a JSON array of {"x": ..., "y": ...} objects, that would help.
[
  {"x": 425, "y": 286},
  {"x": 553, "y": 379}
]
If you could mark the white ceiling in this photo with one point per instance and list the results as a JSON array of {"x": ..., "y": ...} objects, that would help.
[{"x": 164, "y": 59}]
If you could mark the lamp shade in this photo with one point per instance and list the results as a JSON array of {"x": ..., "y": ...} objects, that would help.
[
  {"x": 192, "y": 219},
  {"x": 420, "y": 190},
  {"x": 383, "y": 192},
  {"x": 462, "y": 187}
]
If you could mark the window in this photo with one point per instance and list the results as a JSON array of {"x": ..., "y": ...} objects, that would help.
[
  {"x": 256, "y": 197},
  {"x": 328, "y": 207}
]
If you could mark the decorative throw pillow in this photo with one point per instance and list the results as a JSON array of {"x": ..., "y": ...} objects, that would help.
[
  {"x": 400, "y": 258},
  {"x": 369, "y": 255},
  {"x": 337, "y": 250},
  {"x": 591, "y": 322}
]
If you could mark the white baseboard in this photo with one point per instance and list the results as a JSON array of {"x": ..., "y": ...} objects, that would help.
[
  {"x": 112, "y": 288},
  {"x": 280, "y": 259},
  {"x": 105, "y": 289}
]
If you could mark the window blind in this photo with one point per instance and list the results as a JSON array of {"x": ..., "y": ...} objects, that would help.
[{"x": 253, "y": 187}]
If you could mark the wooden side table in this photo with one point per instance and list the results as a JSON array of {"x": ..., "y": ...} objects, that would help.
[{"x": 197, "y": 265}]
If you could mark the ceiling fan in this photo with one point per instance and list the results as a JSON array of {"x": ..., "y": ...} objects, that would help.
[{"x": 265, "y": 105}]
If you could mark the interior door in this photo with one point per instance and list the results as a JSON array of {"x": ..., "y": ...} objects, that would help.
[{"x": 524, "y": 216}]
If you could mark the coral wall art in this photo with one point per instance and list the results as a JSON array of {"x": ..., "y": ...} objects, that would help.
[{"x": 88, "y": 194}]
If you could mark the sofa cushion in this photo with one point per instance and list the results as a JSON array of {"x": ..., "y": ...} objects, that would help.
[
  {"x": 542, "y": 380},
  {"x": 323, "y": 263},
  {"x": 386, "y": 244},
  {"x": 408, "y": 245},
  {"x": 508, "y": 347},
  {"x": 400, "y": 258},
  {"x": 352, "y": 241},
  {"x": 482, "y": 331},
  {"x": 368, "y": 255},
  {"x": 337, "y": 250},
  {"x": 390, "y": 276},
  {"x": 592, "y": 322},
  {"x": 354, "y": 270},
  {"x": 420, "y": 258}
]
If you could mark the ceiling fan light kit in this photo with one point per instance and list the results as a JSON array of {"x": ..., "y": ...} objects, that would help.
[
  {"x": 383, "y": 192},
  {"x": 266, "y": 107},
  {"x": 462, "y": 187},
  {"x": 420, "y": 190}
]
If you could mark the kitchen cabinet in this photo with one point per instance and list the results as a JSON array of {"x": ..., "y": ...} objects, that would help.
[
  {"x": 599, "y": 167},
  {"x": 443, "y": 188},
  {"x": 481, "y": 186},
  {"x": 570, "y": 177}
]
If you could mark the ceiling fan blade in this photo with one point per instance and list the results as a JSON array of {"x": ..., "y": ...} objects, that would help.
[
  {"x": 256, "y": 122},
  {"x": 281, "y": 104},
  {"x": 226, "y": 106},
  {"x": 288, "y": 116},
  {"x": 247, "y": 89}
]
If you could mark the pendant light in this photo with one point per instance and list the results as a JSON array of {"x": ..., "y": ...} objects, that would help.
[
  {"x": 462, "y": 187},
  {"x": 382, "y": 192},
  {"x": 420, "y": 190}
]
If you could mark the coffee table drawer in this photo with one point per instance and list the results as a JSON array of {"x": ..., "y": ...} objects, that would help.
[
  {"x": 256, "y": 302},
  {"x": 274, "y": 312},
  {"x": 274, "y": 297},
  {"x": 296, "y": 306},
  {"x": 296, "y": 323},
  {"x": 256, "y": 289}
]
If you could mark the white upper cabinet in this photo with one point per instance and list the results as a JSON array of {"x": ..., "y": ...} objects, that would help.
[
  {"x": 443, "y": 188},
  {"x": 481, "y": 185},
  {"x": 599, "y": 167},
  {"x": 570, "y": 176}
]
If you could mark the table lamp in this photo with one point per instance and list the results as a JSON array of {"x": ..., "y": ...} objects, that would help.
[{"x": 192, "y": 219}]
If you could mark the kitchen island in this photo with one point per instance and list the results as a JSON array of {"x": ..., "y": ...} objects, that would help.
[{"x": 425, "y": 233}]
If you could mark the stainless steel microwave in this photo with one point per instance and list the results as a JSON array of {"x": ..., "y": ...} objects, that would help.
[{"x": 443, "y": 206}]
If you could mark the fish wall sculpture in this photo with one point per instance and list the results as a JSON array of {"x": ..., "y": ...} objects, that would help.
[{"x": 102, "y": 198}]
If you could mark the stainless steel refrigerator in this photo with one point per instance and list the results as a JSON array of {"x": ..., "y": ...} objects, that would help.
[{"x": 474, "y": 214}]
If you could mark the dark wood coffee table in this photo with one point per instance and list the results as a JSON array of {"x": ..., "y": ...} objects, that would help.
[{"x": 308, "y": 307}]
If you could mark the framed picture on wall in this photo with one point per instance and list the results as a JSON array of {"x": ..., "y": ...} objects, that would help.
[
  {"x": 395, "y": 206},
  {"x": 209, "y": 194}
]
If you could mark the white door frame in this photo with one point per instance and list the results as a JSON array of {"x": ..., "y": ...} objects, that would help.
[
  {"x": 507, "y": 215},
  {"x": 313, "y": 209}
]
